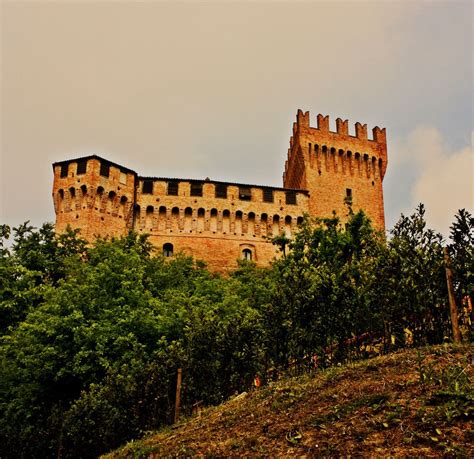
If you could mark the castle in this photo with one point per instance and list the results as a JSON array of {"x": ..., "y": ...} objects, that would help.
[{"x": 220, "y": 222}]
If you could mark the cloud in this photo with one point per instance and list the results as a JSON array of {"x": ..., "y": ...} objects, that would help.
[{"x": 443, "y": 177}]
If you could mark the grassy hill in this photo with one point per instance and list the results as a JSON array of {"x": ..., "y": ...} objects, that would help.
[{"x": 415, "y": 402}]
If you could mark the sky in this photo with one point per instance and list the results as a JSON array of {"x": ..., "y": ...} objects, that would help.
[{"x": 210, "y": 89}]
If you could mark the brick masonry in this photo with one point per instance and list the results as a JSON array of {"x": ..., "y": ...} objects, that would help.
[{"x": 221, "y": 222}]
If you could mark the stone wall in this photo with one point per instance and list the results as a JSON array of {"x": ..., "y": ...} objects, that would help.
[
  {"x": 191, "y": 216},
  {"x": 220, "y": 222}
]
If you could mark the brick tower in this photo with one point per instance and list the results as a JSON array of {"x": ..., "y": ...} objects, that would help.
[
  {"x": 336, "y": 167},
  {"x": 94, "y": 195}
]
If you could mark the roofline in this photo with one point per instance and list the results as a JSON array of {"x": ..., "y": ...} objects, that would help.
[
  {"x": 175, "y": 179},
  {"x": 58, "y": 163}
]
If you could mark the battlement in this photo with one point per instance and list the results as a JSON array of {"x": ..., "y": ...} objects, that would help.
[{"x": 342, "y": 128}]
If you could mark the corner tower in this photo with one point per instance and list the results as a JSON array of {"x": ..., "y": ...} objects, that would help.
[
  {"x": 94, "y": 195},
  {"x": 336, "y": 167}
]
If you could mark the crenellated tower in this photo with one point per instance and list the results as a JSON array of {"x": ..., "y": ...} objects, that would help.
[
  {"x": 94, "y": 195},
  {"x": 336, "y": 167}
]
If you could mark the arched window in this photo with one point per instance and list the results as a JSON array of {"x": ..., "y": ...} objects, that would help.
[
  {"x": 123, "y": 204},
  {"x": 276, "y": 225},
  {"x": 188, "y": 218},
  {"x": 251, "y": 223},
  {"x": 213, "y": 220},
  {"x": 238, "y": 222},
  {"x": 200, "y": 220},
  {"x": 168, "y": 250},
  {"x": 61, "y": 194},
  {"x": 175, "y": 218},
  {"x": 288, "y": 221},
  {"x": 247, "y": 254},
  {"x": 111, "y": 202},
  {"x": 137, "y": 211},
  {"x": 264, "y": 224},
  {"x": 162, "y": 218},
  {"x": 225, "y": 221},
  {"x": 149, "y": 215},
  {"x": 72, "y": 192},
  {"x": 84, "y": 190}
]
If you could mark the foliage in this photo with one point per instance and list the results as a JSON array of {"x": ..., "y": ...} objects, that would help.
[
  {"x": 462, "y": 251},
  {"x": 415, "y": 270},
  {"x": 92, "y": 336}
]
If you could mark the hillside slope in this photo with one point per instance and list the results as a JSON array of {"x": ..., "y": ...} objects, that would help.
[{"x": 413, "y": 402}]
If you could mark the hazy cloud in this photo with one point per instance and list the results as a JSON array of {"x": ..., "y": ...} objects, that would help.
[
  {"x": 443, "y": 177},
  {"x": 202, "y": 89}
]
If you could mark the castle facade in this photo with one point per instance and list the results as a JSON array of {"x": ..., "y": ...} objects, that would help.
[{"x": 221, "y": 222}]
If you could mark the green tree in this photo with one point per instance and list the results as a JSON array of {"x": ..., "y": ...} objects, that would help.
[{"x": 415, "y": 273}]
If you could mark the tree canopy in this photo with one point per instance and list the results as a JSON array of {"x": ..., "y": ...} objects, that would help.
[{"x": 91, "y": 336}]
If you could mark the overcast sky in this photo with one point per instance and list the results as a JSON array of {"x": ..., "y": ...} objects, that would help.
[{"x": 201, "y": 89}]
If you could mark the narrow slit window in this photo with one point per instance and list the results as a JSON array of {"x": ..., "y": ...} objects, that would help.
[
  {"x": 147, "y": 187},
  {"x": 196, "y": 189},
  {"x": 64, "y": 170},
  {"x": 267, "y": 195},
  {"x": 291, "y": 197},
  {"x": 81, "y": 167},
  {"x": 173, "y": 188},
  {"x": 221, "y": 191},
  {"x": 104, "y": 169},
  {"x": 245, "y": 193}
]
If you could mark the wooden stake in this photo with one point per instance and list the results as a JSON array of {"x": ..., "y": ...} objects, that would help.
[
  {"x": 177, "y": 405},
  {"x": 452, "y": 299}
]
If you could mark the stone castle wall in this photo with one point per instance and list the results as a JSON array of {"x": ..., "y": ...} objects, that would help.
[
  {"x": 220, "y": 222},
  {"x": 218, "y": 230}
]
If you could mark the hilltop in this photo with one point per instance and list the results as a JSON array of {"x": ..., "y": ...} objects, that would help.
[{"x": 415, "y": 402}]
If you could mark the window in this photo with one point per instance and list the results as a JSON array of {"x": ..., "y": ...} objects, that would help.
[
  {"x": 167, "y": 250},
  {"x": 104, "y": 169},
  {"x": 147, "y": 187},
  {"x": 173, "y": 188},
  {"x": 64, "y": 170},
  {"x": 247, "y": 254},
  {"x": 348, "y": 193},
  {"x": 267, "y": 195},
  {"x": 81, "y": 166},
  {"x": 221, "y": 191},
  {"x": 196, "y": 189},
  {"x": 245, "y": 193},
  {"x": 290, "y": 197}
]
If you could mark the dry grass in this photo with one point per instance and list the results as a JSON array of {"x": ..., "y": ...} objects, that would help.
[{"x": 410, "y": 403}]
